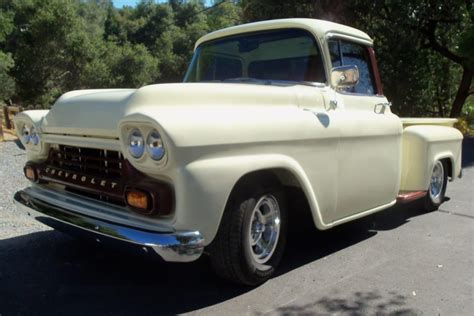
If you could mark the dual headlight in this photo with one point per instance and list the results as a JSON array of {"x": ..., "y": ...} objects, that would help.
[
  {"x": 29, "y": 135},
  {"x": 153, "y": 144}
]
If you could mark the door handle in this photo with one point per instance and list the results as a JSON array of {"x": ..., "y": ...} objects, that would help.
[{"x": 332, "y": 104}]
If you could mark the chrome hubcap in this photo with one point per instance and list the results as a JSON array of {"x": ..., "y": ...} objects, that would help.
[
  {"x": 264, "y": 228},
  {"x": 437, "y": 182}
]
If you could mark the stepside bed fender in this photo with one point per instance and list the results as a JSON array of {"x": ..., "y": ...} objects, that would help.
[{"x": 422, "y": 146}]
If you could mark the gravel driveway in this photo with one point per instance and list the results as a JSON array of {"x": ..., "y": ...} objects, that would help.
[
  {"x": 12, "y": 160},
  {"x": 400, "y": 261}
]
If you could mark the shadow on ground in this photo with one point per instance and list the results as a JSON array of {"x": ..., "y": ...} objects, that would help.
[
  {"x": 360, "y": 303},
  {"x": 48, "y": 271}
]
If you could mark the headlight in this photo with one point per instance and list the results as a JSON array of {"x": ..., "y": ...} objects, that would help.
[
  {"x": 25, "y": 134},
  {"x": 34, "y": 137},
  {"x": 154, "y": 145},
  {"x": 136, "y": 145}
]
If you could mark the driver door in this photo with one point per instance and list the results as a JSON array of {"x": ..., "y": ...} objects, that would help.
[{"x": 370, "y": 136}]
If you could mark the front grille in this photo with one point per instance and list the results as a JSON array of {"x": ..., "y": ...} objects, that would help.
[
  {"x": 95, "y": 173},
  {"x": 89, "y": 161},
  {"x": 103, "y": 175}
]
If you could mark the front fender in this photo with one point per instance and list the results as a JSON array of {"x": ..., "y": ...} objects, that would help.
[{"x": 204, "y": 188}]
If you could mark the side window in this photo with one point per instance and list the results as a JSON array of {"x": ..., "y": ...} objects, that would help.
[
  {"x": 335, "y": 53},
  {"x": 348, "y": 53}
]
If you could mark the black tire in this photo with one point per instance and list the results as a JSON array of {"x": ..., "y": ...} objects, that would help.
[
  {"x": 230, "y": 252},
  {"x": 433, "y": 201}
]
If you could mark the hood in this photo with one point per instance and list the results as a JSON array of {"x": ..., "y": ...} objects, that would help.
[
  {"x": 87, "y": 112},
  {"x": 98, "y": 112}
]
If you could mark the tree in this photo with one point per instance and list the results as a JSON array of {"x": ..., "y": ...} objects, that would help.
[
  {"x": 176, "y": 45},
  {"x": 440, "y": 27},
  {"x": 223, "y": 14},
  {"x": 80, "y": 44},
  {"x": 58, "y": 38},
  {"x": 6, "y": 61},
  {"x": 122, "y": 66},
  {"x": 258, "y": 10}
]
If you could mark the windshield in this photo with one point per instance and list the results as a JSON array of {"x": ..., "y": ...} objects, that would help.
[{"x": 289, "y": 55}]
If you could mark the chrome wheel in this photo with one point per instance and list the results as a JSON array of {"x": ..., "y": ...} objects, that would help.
[
  {"x": 437, "y": 182},
  {"x": 264, "y": 228}
]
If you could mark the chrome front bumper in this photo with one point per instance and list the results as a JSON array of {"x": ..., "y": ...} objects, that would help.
[{"x": 174, "y": 247}]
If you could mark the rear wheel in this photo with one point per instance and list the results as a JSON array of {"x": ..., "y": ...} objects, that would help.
[
  {"x": 252, "y": 235},
  {"x": 437, "y": 188}
]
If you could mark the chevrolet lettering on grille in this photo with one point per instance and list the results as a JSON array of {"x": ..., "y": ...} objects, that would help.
[{"x": 80, "y": 180}]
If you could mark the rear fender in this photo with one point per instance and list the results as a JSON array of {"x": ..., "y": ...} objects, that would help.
[{"x": 422, "y": 146}]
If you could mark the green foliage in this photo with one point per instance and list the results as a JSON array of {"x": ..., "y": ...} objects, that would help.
[
  {"x": 466, "y": 44},
  {"x": 468, "y": 115},
  {"x": 224, "y": 15},
  {"x": 51, "y": 46},
  {"x": 257, "y": 10},
  {"x": 416, "y": 44},
  {"x": 121, "y": 66},
  {"x": 7, "y": 86},
  {"x": 463, "y": 126},
  {"x": 6, "y": 24}
]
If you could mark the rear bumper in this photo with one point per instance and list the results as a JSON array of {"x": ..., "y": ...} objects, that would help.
[{"x": 174, "y": 247}]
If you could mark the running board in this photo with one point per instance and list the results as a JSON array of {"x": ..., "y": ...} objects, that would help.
[{"x": 408, "y": 196}]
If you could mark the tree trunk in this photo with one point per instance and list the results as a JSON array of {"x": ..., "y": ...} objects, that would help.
[{"x": 463, "y": 92}]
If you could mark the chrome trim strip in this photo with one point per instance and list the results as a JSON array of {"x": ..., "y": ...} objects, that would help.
[
  {"x": 182, "y": 246},
  {"x": 79, "y": 141}
]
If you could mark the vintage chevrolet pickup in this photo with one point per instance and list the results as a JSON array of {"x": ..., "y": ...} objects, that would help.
[{"x": 208, "y": 165}]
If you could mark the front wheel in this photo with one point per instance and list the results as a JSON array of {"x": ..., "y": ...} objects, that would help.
[
  {"x": 252, "y": 235},
  {"x": 437, "y": 189}
]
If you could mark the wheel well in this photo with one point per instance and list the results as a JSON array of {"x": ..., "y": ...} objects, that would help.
[
  {"x": 280, "y": 176},
  {"x": 449, "y": 165},
  {"x": 299, "y": 210}
]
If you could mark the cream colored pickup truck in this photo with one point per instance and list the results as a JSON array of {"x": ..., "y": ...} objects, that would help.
[{"x": 208, "y": 165}]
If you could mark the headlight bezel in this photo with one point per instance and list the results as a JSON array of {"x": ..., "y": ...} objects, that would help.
[
  {"x": 145, "y": 162},
  {"x": 30, "y": 119},
  {"x": 32, "y": 138}
]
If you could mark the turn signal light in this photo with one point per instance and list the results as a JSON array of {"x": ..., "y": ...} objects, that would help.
[
  {"x": 30, "y": 173},
  {"x": 138, "y": 199}
]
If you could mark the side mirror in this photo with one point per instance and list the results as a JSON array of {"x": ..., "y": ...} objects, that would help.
[{"x": 344, "y": 76}]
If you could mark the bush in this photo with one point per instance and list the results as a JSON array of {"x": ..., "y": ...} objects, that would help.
[{"x": 463, "y": 126}]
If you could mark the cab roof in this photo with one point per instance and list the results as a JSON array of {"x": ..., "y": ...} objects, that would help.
[{"x": 320, "y": 28}]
